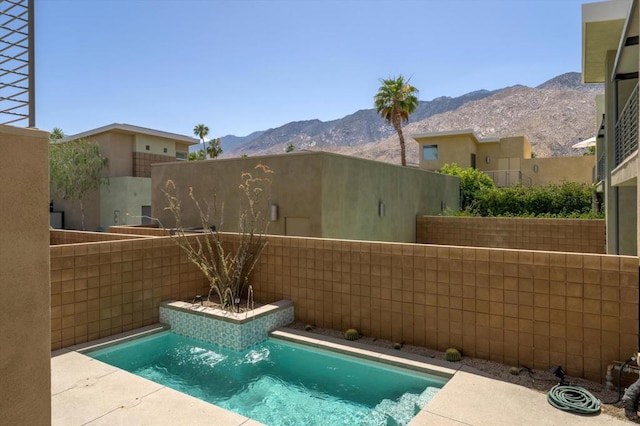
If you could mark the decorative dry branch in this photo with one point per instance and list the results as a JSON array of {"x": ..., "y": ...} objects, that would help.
[{"x": 227, "y": 270}]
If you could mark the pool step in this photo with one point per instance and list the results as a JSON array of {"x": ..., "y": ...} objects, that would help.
[{"x": 395, "y": 413}]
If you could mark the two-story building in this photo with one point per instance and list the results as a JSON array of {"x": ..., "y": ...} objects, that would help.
[
  {"x": 610, "y": 32},
  {"x": 507, "y": 161},
  {"x": 126, "y": 199}
]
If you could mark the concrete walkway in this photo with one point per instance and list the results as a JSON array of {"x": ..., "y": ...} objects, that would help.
[{"x": 86, "y": 391}]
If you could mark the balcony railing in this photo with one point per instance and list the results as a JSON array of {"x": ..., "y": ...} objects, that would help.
[
  {"x": 509, "y": 177},
  {"x": 600, "y": 169},
  {"x": 626, "y": 139}
]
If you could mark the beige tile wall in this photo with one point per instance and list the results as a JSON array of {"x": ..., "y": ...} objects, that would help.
[
  {"x": 103, "y": 288},
  {"x": 529, "y": 308},
  {"x": 535, "y": 309},
  {"x": 139, "y": 230},
  {"x": 58, "y": 236},
  {"x": 568, "y": 235}
]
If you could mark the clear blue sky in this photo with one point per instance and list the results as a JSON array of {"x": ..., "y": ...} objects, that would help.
[{"x": 245, "y": 65}]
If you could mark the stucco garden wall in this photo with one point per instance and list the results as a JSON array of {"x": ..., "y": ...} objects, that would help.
[
  {"x": 318, "y": 194},
  {"x": 518, "y": 307},
  {"x": 568, "y": 235},
  {"x": 25, "y": 390}
]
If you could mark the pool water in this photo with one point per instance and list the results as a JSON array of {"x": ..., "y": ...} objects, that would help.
[{"x": 277, "y": 382}]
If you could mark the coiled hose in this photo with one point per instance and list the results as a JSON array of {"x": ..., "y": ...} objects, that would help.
[{"x": 573, "y": 399}]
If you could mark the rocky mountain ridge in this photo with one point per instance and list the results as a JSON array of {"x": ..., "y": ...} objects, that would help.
[{"x": 553, "y": 115}]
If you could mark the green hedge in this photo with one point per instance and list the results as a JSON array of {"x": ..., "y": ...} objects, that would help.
[
  {"x": 568, "y": 199},
  {"x": 480, "y": 197}
]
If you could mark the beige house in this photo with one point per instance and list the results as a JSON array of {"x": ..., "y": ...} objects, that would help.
[
  {"x": 610, "y": 32},
  {"x": 131, "y": 150},
  {"x": 507, "y": 160},
  {"x": 316, "y": 194}
]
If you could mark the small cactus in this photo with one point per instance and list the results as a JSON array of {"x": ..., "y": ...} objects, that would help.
[
  {"x": 351, "y": 334},
  {"x": 308, "y": 327},
  {"x": 453, "y": 355},
  {"x": 514, "y": 371}
]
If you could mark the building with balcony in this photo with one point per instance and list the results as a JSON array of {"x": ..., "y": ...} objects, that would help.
[
  {"x": 508, "y": 161},
  {"x": 126, "y": 199},
  {"x": 610, "y": 56}
]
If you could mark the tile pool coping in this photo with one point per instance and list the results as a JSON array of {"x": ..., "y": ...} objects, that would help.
[
  {"x": 226, "y": 316},
  {"x": 441, "y": 369}
]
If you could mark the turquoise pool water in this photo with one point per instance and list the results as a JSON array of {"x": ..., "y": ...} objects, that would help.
[{"x": 278, "y": 383}]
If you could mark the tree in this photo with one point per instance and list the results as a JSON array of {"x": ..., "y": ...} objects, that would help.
[
  {"x": 215, "y": 148},
  {"x": 56, "y": 134},
  {"x": 472, "y": 182},
  {"x": 201, "y": 131},
  {"x": 76, "y": 168},
  {"x": 395, "y": 101},
  {"x": 194, "y": 156},
  {"x": 290, "y": 148}
]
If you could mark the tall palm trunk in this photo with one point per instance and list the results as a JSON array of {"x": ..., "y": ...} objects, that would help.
[
  {"x": 204, "y": 148},
  {"x": 398, "y": 126}
]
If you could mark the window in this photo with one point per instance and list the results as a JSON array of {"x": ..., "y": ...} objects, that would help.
[
  {"x": 429, "y": 152},
  {"x": 164, "y": 150},
  {"x": 181, "y": 155},
  {"x": 148, "y": 148},
  {"x": 473, "y": 161}
]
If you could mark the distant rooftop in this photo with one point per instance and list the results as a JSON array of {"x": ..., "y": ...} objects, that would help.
[
  {"x": 131, "y": 129},
  {"x": 455, "y": 133}
]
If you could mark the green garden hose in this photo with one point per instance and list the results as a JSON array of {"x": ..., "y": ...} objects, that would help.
[{"x": 573, "y": 399}]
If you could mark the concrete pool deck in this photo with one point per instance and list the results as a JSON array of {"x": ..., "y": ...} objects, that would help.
[{"x": 86, "y": 391}]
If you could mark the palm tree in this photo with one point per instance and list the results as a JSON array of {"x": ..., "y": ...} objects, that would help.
[
  {"x": 56, "y": 134},
  {"x": 395, "y": 100},
  {"x": 201, "y": 131},
  {"x": 215, "y": 148}
]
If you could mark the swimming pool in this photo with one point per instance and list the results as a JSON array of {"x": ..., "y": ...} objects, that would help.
[{"x": 277, "y": 382}]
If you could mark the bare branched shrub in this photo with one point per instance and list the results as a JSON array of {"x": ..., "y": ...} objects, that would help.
[{"x": 227, "y": 270}]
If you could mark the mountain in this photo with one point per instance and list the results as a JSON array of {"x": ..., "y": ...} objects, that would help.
[
  {"x": 352, "y": 130},
  {"x": 553, "y": 115},
  {"x": 231, "y": 142}
]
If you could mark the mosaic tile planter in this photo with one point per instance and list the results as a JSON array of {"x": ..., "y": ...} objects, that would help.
[{"x": 231, "y": 330}]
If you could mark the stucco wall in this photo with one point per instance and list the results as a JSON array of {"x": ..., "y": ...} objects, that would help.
[
  {"x": 568, "y": 235},
  {"x": 627, "y": 220},
  {"x": 451, "y": 149},
  {"x": 332, "y": 195},
  {"x": 118, "y": 147},
  {"x": 352, "y": 189},
  {"x": 296, "y": 189},
  {"x": 123, "y": 199},
  {"x": 560, "y": 169},
  {"x": 72, "y": 215},
  {"x": 156, "y": 145},
  {"x": 25, "y": 393}
]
